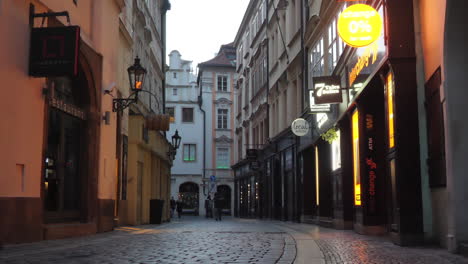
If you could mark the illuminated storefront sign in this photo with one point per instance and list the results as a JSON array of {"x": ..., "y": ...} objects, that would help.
[
  {"x": 363, "y": 64},
  {"x": 317, "y": 108},
  {"x": 327, "y": 90},
  {"x": 371, "y": 165},
  {"x": 356, "y": 166},
  {"x": 359, "y": 25},
  {"x": 391, "y": 129}
]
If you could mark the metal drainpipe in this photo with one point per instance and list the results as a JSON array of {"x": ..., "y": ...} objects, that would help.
[
  {"x": 268, "y": 73},
  {"x": 200, "y": 103}
]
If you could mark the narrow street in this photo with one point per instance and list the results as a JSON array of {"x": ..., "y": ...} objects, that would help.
[{"x": 200, "y": 240}]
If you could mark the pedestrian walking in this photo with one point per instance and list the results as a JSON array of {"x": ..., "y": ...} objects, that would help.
[
  {"x": 173, "y": 206},
  {"x": 218, "y": 204},
  {"x": 179, "y": 205},
  {"x": 209, "y": 207}
]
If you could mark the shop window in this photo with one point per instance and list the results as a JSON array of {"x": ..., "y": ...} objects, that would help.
[
  {"x": 356, "y": 165},
  {"x": 189, "y": 152},
  {"x": 317, "y": 187},
  {"x": 390, "y": 97},
  {"x": 336, "y": 152}
]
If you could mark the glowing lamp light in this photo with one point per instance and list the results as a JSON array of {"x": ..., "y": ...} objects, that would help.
[{"x": 359, "y": 25}]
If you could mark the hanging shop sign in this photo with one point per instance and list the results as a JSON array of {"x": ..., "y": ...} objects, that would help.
[
  {"x": 317, "y": 108},
  {"x": 252, "y": 154},
  {"x": 359, "y": 25},
  {"x": 327, "y": 90},
  {"x": 300, "y": 127},
  {"x": 54, "y": 51}
]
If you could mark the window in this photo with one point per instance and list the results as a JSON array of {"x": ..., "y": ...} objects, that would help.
[
  {"x": 175, "y": 75},
  {"x": 187, "y": 114},
  {"x": 222, "y": 83},
  {"x": 190, "y": 152},
  {"x": 171, "y": 112},
  {"x": 174, "y": 91},
  {"x": 222, "y": 158},
  {"x": 223, "y": 118}
]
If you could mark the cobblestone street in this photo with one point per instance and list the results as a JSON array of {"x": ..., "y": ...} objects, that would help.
[{"x": 197, "y": 240}]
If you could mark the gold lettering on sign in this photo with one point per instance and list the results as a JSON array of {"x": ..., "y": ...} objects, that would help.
[
  {"x": 370, "y": 54},
  {"x": 67, "y": 108}
]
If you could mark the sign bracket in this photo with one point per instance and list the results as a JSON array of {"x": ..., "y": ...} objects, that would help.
[{"x": 49, "y": 14}]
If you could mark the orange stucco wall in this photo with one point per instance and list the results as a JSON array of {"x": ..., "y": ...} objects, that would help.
[
  {"x": 432, "y": 34},
  {"x": 22, "y": 107}
]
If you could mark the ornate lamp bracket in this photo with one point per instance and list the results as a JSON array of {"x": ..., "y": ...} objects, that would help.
[{"x": 121, "y": 103}]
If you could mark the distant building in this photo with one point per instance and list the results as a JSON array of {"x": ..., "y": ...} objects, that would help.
[
  {"x": 216, "y": 79},
  {"x": 186, "y": 117}
]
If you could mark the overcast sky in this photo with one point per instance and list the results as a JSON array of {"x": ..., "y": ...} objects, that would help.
[{"x": 198, "y": 28}]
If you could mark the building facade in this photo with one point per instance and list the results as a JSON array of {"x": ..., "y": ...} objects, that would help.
[
  {"x": 386, "y": 158},
  {"x": 187, "y": 118},
  {"x": 144, "y": 181},
  {"x": 216, "y": 79},
  {"x": 251, "y": 125},
  {"x": 68, "y": 177},
  {"x": 63, "y": 172}
]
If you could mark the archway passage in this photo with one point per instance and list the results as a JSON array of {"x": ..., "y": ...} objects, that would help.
[
  {"x": 64, "y": 177},
  {"x": 189, "y": 194},
  {"x": 225, "y": 192}
]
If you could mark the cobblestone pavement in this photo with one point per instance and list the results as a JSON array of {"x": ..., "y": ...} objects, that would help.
[
  {"x": 198, "y": 240},
  {"x": 342, "y": 247},
  {"x": 190, "y": 240}
]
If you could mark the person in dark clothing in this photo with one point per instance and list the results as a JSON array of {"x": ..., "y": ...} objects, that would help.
[
  {"x": 218, "y": 204},
  {"x": 173, "y": 206},
  {"x": 179, "y": 205},
  {"x": 209, "y": 207}
]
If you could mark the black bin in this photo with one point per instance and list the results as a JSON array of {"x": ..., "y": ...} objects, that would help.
[{"x": 156, "y": 210}]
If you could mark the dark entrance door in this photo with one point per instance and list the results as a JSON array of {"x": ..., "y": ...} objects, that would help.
[
  {"x": 64, "y": 164},
  {"x": 189, "y": 194},
  {"x": 63, "y": 184},
  {"x": 225, "y": 193}
]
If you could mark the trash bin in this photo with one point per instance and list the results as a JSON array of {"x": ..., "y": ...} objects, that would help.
[{"x": 156, "y": 210}]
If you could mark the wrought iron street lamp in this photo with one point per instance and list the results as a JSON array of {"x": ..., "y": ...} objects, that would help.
[
  {"x": 176, "y": 140},
  {"x": 175, "y": 145},
  {"x": 136, "y": 76}
]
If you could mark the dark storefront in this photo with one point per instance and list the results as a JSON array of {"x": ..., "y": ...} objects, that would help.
[{"x": 359, "y": 178}]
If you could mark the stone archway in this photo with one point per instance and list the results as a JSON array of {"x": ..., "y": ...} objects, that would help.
[{"x": 73, "y": 113}]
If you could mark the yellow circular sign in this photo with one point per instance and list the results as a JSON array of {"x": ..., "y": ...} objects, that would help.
[{"x": 359, "y": 25}]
